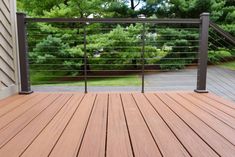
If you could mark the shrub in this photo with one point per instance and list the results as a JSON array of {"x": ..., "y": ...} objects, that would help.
[
  {"x": 53, "y": 51},
  {"x": 48, "y": 49},
  {"x": 173, "y": 64},
  {"x": 229, "y": 28},
  {"x": 218, "y": 55}
]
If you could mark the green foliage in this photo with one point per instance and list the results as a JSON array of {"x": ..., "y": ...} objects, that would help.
[
  {"x": 229, "y": 28},
  {"x": 121, "y": 45},
  {"x": 154, "y": 55},
  {"x": 108, "y": 45},
  {"x": 105, "y": 45},
  {"x": 229, "y": 65},
  {"x": 118, "y": 9},
  {"x": 49, "y": 48},
  {"x": 76, "y": 8},
  {"x": 127, "y": 80},
  {"x": 61, "y": 10},
  {"x": 36, "y": 7},
  {"x": 178, "y": 43},
  {"x": 53, "y": 51},
  {"x": 218, "y": 55},
  {"x": 173, "y": 64}
]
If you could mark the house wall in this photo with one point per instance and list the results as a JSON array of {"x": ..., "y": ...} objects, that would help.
[{"x": 8, "y": 49}]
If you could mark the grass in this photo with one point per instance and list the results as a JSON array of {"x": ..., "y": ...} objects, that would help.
[
  {"x": 127, "y": 80},
  {"x": 229, "y": 65}
]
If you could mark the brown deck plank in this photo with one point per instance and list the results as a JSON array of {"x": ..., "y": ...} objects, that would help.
[
  {"x": 12, "y": 115},
  {"x": 220, "y": 100},
  {"x": 10, "y": 100},
  {"x": 217, "y": 125},
  {"x": 224, "y": 108},
  {"x": 23, "y": 139},
  {"x": 166, "y": 140},
  {"x": 95, "y": 136},
  {"x": 142, "y": 141},
  {"x": 17, "y": 125},
  {"x": 229, "y": 120},
  {"x": 215, "y": 140},
  {"x": 17, "y": 103},
  {"x": 70, "y": 141},
  {"x": 44, "y": 143},
  {"x": 191, "y": 141},
  {"x": 118, "y": 142}
]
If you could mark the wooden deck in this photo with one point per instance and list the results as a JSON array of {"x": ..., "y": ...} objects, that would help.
[{"x": 171, "y": 124}]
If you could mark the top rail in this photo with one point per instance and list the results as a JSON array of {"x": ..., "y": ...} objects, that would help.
[{"x": 115, "y": 20}]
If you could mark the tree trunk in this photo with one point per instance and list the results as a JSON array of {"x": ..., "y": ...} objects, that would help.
[{"x": 132, "y": 5}]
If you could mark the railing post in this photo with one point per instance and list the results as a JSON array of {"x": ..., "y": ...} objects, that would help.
[
  {"x": 203, "y": 54},
  {"x": 142, "y": 56},
  {"x": 85, "y": 59},
  {"x": 23, "y": 54}
]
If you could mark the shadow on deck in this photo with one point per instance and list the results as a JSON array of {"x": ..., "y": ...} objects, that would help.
[{"x": 117, "y": 125}]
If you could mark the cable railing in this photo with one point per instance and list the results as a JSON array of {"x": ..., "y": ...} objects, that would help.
[
  {"x": 221, "y": 45},
  {"x": 222, "y": 55},
  {"x": 109, "y": 52}
]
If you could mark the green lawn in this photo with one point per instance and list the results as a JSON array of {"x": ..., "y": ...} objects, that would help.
[
  {"x": 126, "y": 80},
  {"x": 229, "y": 65}
]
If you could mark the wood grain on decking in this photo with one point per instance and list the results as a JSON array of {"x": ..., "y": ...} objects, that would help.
[{"x": 169, "y": 124}]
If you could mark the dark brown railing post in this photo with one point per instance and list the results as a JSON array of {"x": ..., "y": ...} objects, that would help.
[
  {"x": 142, "y": 56},
  {"x": 85, "y": 58},
  {"x": 203, "y": 54},
  {"x": 23, "y": 54}
]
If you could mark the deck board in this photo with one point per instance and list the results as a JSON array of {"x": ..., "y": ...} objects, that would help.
[
  {"x": 166, "y": 140},
  {"x": 17, "y": 125},
  {"x": 9, "y": 100},
  {"x": 117, "y": 124},
  {"x": 117, "y": 135},
  {"x": 15, "y": 104},
  {"x": 211, "y": 109},
  {"x": 95, "y": 136},
  {"x": 221, "y": 100},
  {"x": 191, "y": 141},
  {"x": 222, "y": 146},
  {"x": 12, "y": 115},
  {"x": 21, "y": 141},
  {"x": 229, "y": 110},
  {"x": 213, "y": 122},
  {"x": 52, "y": 132},
  {"x": 68, "y": 145},
  {"x": 143, "y": 142}
]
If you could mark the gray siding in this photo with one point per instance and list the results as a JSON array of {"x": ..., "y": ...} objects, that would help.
[{"x": 8, "y": 56}]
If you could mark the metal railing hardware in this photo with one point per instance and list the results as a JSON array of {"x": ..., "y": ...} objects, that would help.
[{"x": 157, "y": 45}]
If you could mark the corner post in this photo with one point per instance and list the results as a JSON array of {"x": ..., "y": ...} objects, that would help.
[
  {"x": 23, "y": 54},
  {"x": 203, "y": 54}
]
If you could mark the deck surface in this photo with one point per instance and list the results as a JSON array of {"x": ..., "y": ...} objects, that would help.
[
  {"x": 220, "y": 81},
  {"x": 169, "y": 124}
]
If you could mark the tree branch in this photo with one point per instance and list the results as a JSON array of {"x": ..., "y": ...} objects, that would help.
[{"x": 137, "y": 4}]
